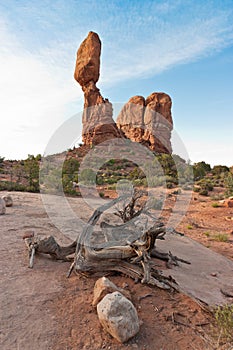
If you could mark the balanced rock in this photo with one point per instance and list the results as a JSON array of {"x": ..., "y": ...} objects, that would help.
[
  {"x": 118, "y": 316},
  {"x": 88, "y": 60},
  {"x": 8, "y": 200},
  {"x": 98, "y": 124},
  {"x": 2, "y": 207},
  {"x": 104, "y": 286}
]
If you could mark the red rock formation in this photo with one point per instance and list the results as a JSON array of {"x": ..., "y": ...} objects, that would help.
[
  {"x": 130, "y": 118},
  {"x": 148, "y": 121},
  {"x": 98, "y": 125},
  {"x": 158, "y": 122}
]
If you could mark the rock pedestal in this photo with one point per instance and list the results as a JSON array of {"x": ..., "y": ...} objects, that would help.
[{"x": 98, "y": 124}]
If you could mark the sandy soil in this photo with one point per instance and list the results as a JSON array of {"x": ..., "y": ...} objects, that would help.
[{"x": 41, "y": 309}]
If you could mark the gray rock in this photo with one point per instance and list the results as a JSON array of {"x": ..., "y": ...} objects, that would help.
[
  {"x": 118, "y": 316},
  {"x": 104, "y": 286},
  {"x": 2, "y": 206},
  {"x": 8, "y": 200}
]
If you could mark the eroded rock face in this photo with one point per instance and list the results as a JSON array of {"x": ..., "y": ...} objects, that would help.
[
  {"x": 148, "y": 121},
  {"x": 145, "y": 121},
  {"x": 98, "y": 124},
  {"x": 131, "y": 118},
  {"x": 158, "y": 122},
  {"x": 118, "y": 316}
]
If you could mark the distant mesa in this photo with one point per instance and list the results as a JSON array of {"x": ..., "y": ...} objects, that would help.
[{"x": 147, "y": 121}]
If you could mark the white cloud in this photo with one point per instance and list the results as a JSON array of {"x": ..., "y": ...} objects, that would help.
[
  {"x": 37, "y": 88},
  {"x": 168, "y": 46},
  {"x": 34, "y": 94}
]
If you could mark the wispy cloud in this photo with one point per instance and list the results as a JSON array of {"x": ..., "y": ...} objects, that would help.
[
  {"x": 163, "y": 45},
  {"x": 35, "y": 96},
  {"x": 38, "y": 43}
]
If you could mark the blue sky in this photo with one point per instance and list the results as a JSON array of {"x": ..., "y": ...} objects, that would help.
[{"x": 183, "y": 48}]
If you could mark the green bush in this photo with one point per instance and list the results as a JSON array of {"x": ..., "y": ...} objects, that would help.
[
  {"x": 220, "y": 237},
  {"x": 228, "y": 182},
  {"x": 196, "y": 189},
  {"x": 224, "y": 319},
  {"x": 204, "y": 192},
  {"x": 215, "y": 205}
]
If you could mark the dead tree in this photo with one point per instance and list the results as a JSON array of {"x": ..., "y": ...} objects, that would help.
[{"x": 121, "y": 252}]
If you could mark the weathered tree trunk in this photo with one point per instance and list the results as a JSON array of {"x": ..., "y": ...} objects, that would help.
[{"x": 121, "y": 252}]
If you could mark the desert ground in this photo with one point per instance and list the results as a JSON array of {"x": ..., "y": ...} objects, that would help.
[{"x": 42, "y": 309}]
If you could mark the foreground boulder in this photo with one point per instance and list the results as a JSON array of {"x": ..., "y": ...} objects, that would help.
[
  {"x": 104, "y": 286},
  {"x": 2, "y": 207},
  {"x": 8, "y": 200},
  {"x": 118, "y": 316}
]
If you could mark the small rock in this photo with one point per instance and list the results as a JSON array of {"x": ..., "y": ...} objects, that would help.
[
  {"x": 104, "y": 286},
  {"x": 118, "y": 316},
  {"x": 2, "y": 207},
  {"x": 229, "y": 202},
  {"x": 8, "y": 200}
]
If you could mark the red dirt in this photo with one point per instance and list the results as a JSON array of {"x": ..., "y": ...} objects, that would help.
[{"x": 42, "y": 309}]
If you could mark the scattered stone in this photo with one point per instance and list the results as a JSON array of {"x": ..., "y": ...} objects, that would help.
[
  {"x": 2, "y": 207},
  {"x": 229, "y": 203},
  {"x": 8, "y": 200},
  {"x": 118, "y": 316},
  {"x": 227, "y": 291},
  {"x": 104, "y": 286}
]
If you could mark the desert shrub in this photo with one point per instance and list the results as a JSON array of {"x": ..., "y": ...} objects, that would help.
[
  {"x": 200, "y": 170},
  {"x": 207, "y": 234},
  {"x": 219, "y": 169},
  {"x": 169, "y": 185},
  {"x": 176, "y": 192},
  {"x": 189, "y": 227},
  {"x": 204, "y": 192},
  {"x": 101, "y": 194},
  {"x": 196, "y": 189},
  {"x": 220, "y": 237},
  {"x": 136, "y": 173},
  {"x": 140, "y": 182},
  {"x": 13, "y": 186},
  {"x": 224, "y": 319},
  {"x": 228, "y": 182},
  {"x": 155, "y": 181},
  {"x": 112, "y": 187},
  {"x": 215, "y": 205},
  {"x": 206, "y": 184},
  {"x": 87, "y": 176},
  {"x": 217, "y": 197}
]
